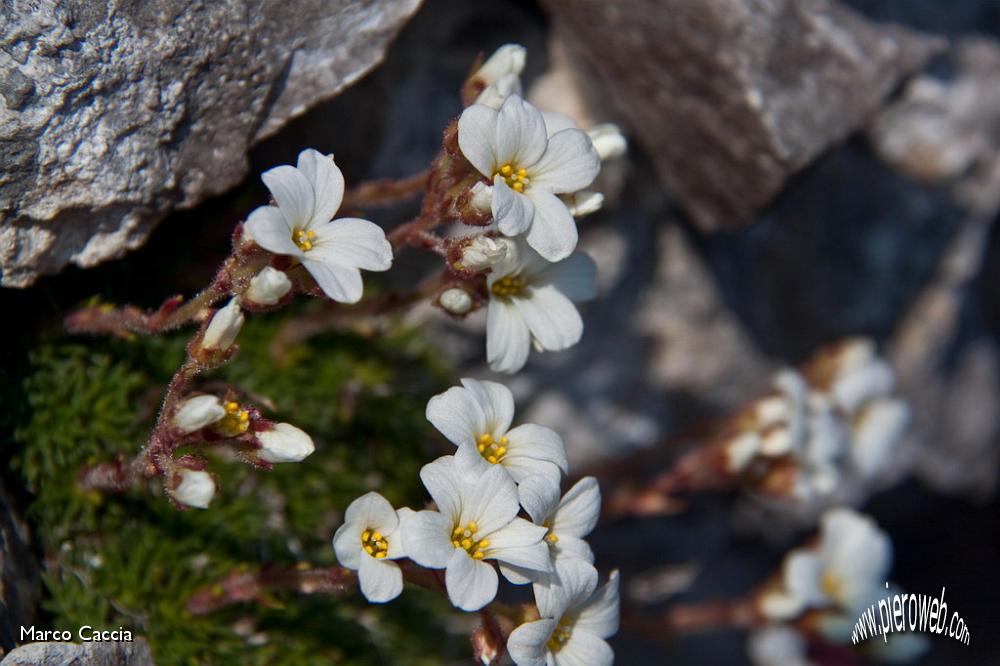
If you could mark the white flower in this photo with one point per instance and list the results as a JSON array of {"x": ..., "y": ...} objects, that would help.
[
  {"x": 531, "y": 301},
  {"x": 821, "y": 455},
  {"x": 455, "y": 300},
  {"x": 284, "y": 443},
  {"x": 502, "y": 75},
  {"x": 300, "y": 226},
  {"x": 575, "y": 621},
  {"x": 369, "y": 537},
  {"x": 196, "y": 488},
  {"x": 608, "y": 141},
  {"x": 875, "y": 431},
  {"x": 860, "y": 376},
  {"x": 851, "y": 560},
  {"x": 476, "y": 418},
  {"x": 268, "y": 286},
  {"x": 197, "y": 412},
  {"x": 476, "y": 521},
  {"x": 569, "y": 519},
  {"x": 528, "y": 170},
  {"x": 483, "y": 252},
  {"x": 224, "y": 327},
  {"x": 778, "y": 645}
]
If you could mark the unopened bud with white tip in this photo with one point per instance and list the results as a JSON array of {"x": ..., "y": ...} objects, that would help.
[
  {"x": 608, "y": 141},
  {"x": 224, "y": 327},
  {"x": 456, "y": 301},
  {"x": 196, "y": 488},
  {"x": 583, "y": 203},
  {"x": 507, "y": 60},
  {"x": 197, "y": 412},
  {"x": 284, "y": 443},
  {"x": 484, "y": 252},
  {"x": 268, "y": 286}
]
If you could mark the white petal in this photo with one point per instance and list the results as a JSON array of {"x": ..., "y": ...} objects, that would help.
[
  {"x": 225, "y": 325},
  {"x": 582, "y": 203},
  {"x": 519, "y": 532},
  {"x": 520, "y": 134},
  {"x": 269, "y": 229},
  {"x": 522, "y": 467},
  {"x": 443, "y": 483},
  {"x": 268, "y": 286},
  {"x": 340, "y": 283},
  {"x": 457, "y": 415},
  {"x": 519, "y": 575},
  {"x": 875, "y": 433},
  {"x": 539, "y": 442},
  {"x": 469, "y": 463},
  {"x": 539, "y": 497},
  {"x": 327, "y": 182},
  {"x": 477, "y": 131},
  {"x": 803, "y": 571},
  {"x": 571, "y": 546},
  {"x": 196, "y": 489},
  {"x": 505, "y": 61},
  {"x": 608, "y": 141},
  {"x": 489, "y": 500},
  {"x": 381, "y": 581},
  {"x": 552, "y": 318},
  {"x": 427, "y": 539},
  {"x": 471, "y": 583},
  {"x": 397, "y": 547},
  {"x": 600, "y": 614},
  {"x": 351, "y": 241},
  {"x": 293, "y": 193},
  {"x": 585, "y": 649},
  {"x": 579, "y": 509},
  {"x": 570, "y": 163},
  {"x": 372, "y": 511},
  {"x": 197, "y": 412},
  {"x": 507, "y": 338},
  {"x": 284, "y": 443},
  {"x": 347, "y": 544},
  {"x": 576, "y": 277},
  {"x": 553, "y": 232},
  {"x": 557, "y": 122},
  {"x": 497, "y": 403},
  {"x": 576, "y": 582},
  {"x": 512, "y": 211},
  {"x": 532, "y": 563},
  {"x": 527, "y": 644}
]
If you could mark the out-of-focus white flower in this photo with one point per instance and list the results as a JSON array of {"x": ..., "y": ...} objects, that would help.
[
  {"x": 224, "y": 327},
  {"x": 778, "y": 645},
  {"x": 502, "y": 75},
  {"x": 860, "y": 375},
  {"x": 455, "y": 300},
  {"x": 301, "y": 226},
  {"x": 583, "y": 203},
  {"x": 875, "y": 431},
  {"x": 575, "y": 620},
  {"x": 197, "y": 412},
  {"x": 369, "y": 538},
  {"x": 568, "y": 519},
  {"x": 284, "y": 443},
  {"x": 528, "y": 169},
  {"x": 850, "y": 562},
  {"x": 268, "y": 286},
  {"x": 531, "y": 301},
  {"x": 476, "y": 418},
  {"x": 476, "y": 522},
  {"x": 483, "y": 252},
  {"x": 196, "y": 488},
  {"x": 608, "y": 141},
  {"x": 821, "y": 455}
]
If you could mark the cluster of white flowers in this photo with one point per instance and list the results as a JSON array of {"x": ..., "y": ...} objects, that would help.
[
  {"x": 498, "y": 511},
  {"x": 836, "y": 416}
]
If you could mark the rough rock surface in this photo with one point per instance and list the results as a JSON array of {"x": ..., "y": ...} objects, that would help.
[
  {"x": 730, "y": 97},
  {"x": 109, "y": 653},
  {"x": 113, "y": 113}
]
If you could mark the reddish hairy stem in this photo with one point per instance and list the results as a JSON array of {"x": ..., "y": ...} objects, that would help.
[{"x": 386, "y": 191}]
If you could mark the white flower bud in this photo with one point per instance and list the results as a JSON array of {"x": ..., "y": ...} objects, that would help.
[
  {"x": 268, "y": 286},
  {"x": 197, "y": 412},
  {"x": 608, "y": 141},
  {"x": 484, "y": 252},
  {"x": 284, "y": 443},
  {"x": 456, "y": 301},
  {"x": 196, "y": 489},
  {"x": 583, "y": 203},
  {"x": 224, "y": 327},
  {"x": 494, "y": 94},
  {"x": 506, "y": 60},
  {"x": 482, "y": 198}
]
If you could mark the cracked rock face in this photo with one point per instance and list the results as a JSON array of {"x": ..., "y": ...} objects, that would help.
[
  {"x": 730, "y": 97},
  {"x": 115, "y": 112}
]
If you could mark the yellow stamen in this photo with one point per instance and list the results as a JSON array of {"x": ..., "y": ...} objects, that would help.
[
  {"x": 832, "y": 585},
  {"x": 561, "y": 635},
  {"x": 491, "y": 450},
  {"x": 516, "y": 178},
  {"x": 235, "y": 422},
  {"x": 509, "y": 285},
  {"x": 304, "y": 239},
  {"x": 465, "y": 538},
  {"x": 375, "y": 544}
]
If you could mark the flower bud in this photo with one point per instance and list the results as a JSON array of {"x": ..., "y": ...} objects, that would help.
[
  {"x": 268, "y": 287},
  {"x": 197, "y": 412},
  {"x": 224, "y": 327},
  {"x": 494, "y": 94},
  {"x": 507, "y": 60},
  {"x": 481, "y": 200},
  {"x": 483, "y": 252},
  {"x": 608, "y": 141},
  {"x": 196, "y": 488},
  {"x": 284, "y": 443},
  {"x": 456, "y": 301},
  {"x": 583, "y": 203}
]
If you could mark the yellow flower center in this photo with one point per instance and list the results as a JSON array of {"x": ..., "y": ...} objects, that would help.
[
  {"x": 832, "y": 585},
  {"x": 465, "y": 538},
  {"x": 491, "y": 450},
  {"x": 304, "y": 239},
  {"x": 235, "y": 422},
  {"x": 550, "y": 536},
  {"x": 374, "y": 544},
  {"x": 561, "y": 635},
  {"x": 509, "y": 285},
  {"x": 516, "y": 179}
]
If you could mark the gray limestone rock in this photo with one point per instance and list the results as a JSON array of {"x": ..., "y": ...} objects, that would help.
[{"x": 106, "y": 653}]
